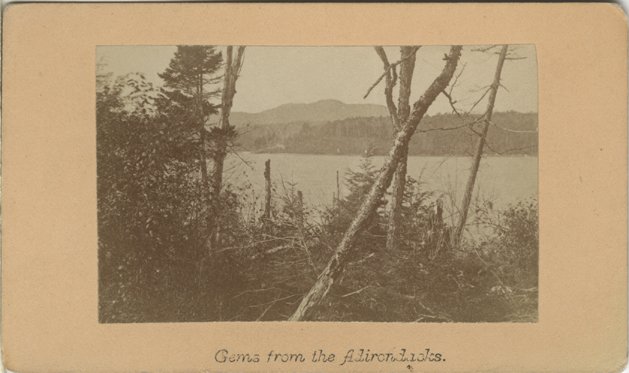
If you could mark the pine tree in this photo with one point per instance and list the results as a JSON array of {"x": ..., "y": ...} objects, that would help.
[{"x": 188, "y": 82}]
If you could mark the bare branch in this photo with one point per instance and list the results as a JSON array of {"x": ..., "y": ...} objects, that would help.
[
  {"x": 484, "y": 49},
  {"x": 449, "y": 94},
  {"x": 388, "y": 66},
  {"x": 356, "y": 292},
  {"x": 491, "y": 148},
  {"x": 234, "y": 152},
  {"x": 474, "y": 131},
  {"x": 511, "y": 150},
  {"x": 512, "y": 130},
  {"x": 452, "y": 103},
  {"x": 456, "y": 78},
  {"x": 271, "y": 304},
  {"x": 375, "y": 83},
  {"x": 443, "y": 128},
  {"x": 479, "y": 100},
  {"x": 390, "y": 81}
]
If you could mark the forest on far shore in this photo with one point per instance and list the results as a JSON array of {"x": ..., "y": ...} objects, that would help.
[{"x": 513, "y": 133}]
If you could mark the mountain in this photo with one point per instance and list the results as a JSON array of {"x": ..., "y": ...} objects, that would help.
[{"x": 316, "y": 112}]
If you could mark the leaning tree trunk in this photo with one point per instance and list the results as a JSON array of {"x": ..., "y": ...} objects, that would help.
[
  {"x": 469, "y": 189},
  {"x": 397, "y": 197},
  {"x": 232, "y": 70},
  {"x": 339, "y": 259},
  {"x": 407, "y": 66}
]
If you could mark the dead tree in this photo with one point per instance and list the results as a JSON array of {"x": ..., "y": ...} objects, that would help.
[
  {"x": 267, "y": 191},
  {"x": 482, "y": 138},
  {"x": 407, "y": 66},
  {"x": 437, "y": 235},
  {"x": 338, "y": 188},
  {"x": 300, "y": 213},
  {"x": 233, "y": 65},
  {"x": 341, "y": 256},
  {"x": 398, "y": 116}
]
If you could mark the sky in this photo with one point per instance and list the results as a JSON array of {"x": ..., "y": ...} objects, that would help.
[{"x": 272, "y": 76}]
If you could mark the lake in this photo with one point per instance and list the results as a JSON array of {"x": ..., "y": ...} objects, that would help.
[{"x": 503, "y": 180}]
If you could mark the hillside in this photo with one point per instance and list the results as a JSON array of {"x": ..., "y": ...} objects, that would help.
[
  {"x": 320, "y": 111},
  {"x": 514, "y": 134}
]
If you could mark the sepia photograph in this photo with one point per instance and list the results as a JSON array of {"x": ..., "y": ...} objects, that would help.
[
  {"x": 317, "y": 183},
  {"x": 322, "y": 187}
]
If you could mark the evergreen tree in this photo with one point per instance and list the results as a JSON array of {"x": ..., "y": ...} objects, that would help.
[
  {"x": 185, "y": 102},
  {"x": 192, "y": 69},
  {"x": 358, "y": 183}
]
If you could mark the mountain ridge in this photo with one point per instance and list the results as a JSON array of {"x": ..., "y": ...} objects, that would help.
[
  {"x": 512, "y": 133},
  {"x": 319, "y": 111}
]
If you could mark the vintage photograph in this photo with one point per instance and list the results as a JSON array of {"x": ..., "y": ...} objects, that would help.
[{"x": 317, "y": 183}]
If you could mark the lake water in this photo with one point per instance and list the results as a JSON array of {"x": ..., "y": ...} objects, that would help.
[{"x": 503, "y": 180}]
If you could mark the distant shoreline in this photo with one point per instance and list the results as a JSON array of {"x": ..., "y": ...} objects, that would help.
[{"x": 513, "y": 155}]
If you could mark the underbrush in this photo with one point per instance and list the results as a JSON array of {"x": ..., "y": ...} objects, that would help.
[{"x": 266, "y": 265}]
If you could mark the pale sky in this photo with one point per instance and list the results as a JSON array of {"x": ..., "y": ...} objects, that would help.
[{"x": 272, "y": 76}]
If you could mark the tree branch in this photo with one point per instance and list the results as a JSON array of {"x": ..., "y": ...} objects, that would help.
[
  {"x": 390, "y": 81},
  {"x": 388, "y": 66},
  {"x": 337, "y": 263}
]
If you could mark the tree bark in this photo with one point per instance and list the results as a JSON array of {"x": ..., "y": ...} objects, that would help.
[
  {"x": 390, "y": 82},
  {"x": 232, "y": 70},
  {"x": 267, "y": 195},
  {"x": 205, "y": 183},
  {"x": 339, "y": 259},
  {"x": 469, "y": 189},
  {"x": 397, "y": 197},
  {"x": 300, "y": 213},
  {"x": 338, "y": 188},
  {"x": 407, "y": 67}
]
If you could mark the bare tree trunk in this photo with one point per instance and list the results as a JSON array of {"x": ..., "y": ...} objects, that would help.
[
  {"x": 338, "y": 187},
  {"x": 339, "y": 259},
  {"x": 232, "y": 70},
  {"x": 300, "y": 213},
  {"x": 205, "y": 183},
  {"x": 267, "y": 195},
  {"x": 469, "y": 189},
  {"x": 397, "y": 196},
  {"x": 407, "y": 67}
]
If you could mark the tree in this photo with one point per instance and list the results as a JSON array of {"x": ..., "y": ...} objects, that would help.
[
  {"x": 482, "y": 137},
  {"x": 398, "y": 116},
  {"x": 148, "y": 210},
  {"x": 358, "y": 183},
  {"x": 342, "y": 254},
  {"x": 222, "y": 136},
  {"x": 186, "y": 93}
]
